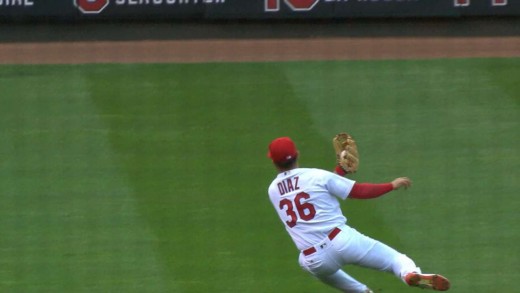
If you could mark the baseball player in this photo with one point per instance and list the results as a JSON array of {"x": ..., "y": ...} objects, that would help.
[{"x": 307, "y": 202}]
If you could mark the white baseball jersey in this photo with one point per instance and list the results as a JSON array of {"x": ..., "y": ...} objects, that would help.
[{"x": 307, "y": 202}]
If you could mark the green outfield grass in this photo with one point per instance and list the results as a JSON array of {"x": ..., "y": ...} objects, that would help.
[{"x": 153, "y": 178}]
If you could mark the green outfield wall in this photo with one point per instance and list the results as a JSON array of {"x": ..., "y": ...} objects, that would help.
[{"x": 75, "y": 10}]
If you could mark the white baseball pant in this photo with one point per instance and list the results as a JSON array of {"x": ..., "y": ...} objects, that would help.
[{"x": 325, "y": 259}]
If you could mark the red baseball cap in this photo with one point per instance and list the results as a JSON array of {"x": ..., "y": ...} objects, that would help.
[{"x": 282, "y": 149}]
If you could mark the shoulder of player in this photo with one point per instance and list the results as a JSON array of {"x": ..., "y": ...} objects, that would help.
[
  {"x": 318, "y": 171},
  {"x": 317, "y": 175}
]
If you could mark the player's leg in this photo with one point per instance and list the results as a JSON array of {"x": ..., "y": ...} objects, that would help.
[
  {"x": 362, "y": 250},
  {"x": 344, "y": 282},
  {"x": 384, "y": 258},
  {"x": 367, "y": 252},
  {"x": 323, "y": 266}
]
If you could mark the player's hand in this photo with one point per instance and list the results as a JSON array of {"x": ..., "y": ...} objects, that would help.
[{"x": 401, "y": 182}]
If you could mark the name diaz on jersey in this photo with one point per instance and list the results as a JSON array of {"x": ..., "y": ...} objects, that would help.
[{"x": 287, "y": 185}]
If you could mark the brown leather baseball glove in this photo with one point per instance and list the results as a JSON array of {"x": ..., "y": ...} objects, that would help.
[{"x": 347, "y": 154}]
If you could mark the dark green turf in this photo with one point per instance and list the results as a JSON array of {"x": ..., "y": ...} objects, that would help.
[{"x": 153, "y": 178}]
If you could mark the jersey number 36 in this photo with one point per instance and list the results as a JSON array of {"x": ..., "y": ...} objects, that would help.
[{"x": 304, "y": 210}]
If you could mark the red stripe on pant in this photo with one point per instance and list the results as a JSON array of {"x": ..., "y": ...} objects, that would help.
[{"x": 331, "y": 236}]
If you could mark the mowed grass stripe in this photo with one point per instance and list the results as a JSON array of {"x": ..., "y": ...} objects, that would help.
[
  {"x": 67, "y": 214},
  {"x": 197, "y": 160}
]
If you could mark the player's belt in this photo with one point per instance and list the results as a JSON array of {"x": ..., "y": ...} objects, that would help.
[{"x": 331, "y": 236}]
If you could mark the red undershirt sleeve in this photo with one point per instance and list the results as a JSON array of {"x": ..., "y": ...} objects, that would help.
[
  {"x": 340, "y": 171},
  {"x": 369, "y": 190}
]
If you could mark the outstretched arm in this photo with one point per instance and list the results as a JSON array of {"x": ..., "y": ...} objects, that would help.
[{"x": 370, "y": 190}]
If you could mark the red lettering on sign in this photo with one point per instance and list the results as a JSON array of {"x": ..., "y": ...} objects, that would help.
[
  {"x": 272, "y": 5},
  {"x": 462, "y": 2},
  {"x": 298, "y": 5},
  {"x": 499, "y": 2},
  {"x": 91, "y": 6},
  {"x": 295, "y": 5}
]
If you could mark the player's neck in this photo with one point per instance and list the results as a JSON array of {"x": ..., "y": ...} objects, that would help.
[{"x": 292, "y": 167}]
